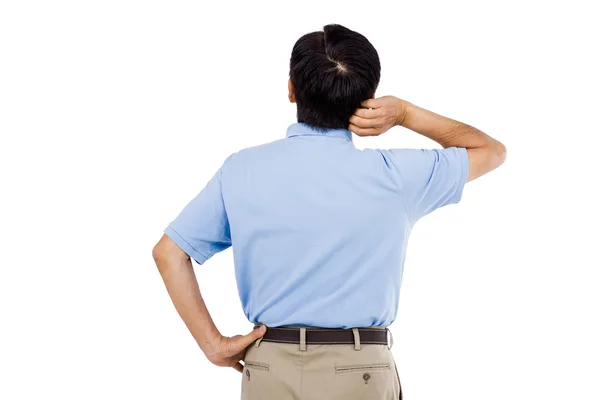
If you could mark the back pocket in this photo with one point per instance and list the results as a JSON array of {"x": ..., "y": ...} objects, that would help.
[
  {"x": 257, "y": 381},
  {"x": 363, "y": 381},
  {"x": 256, "y": 365},
  {"x": 340, "y": 369}
]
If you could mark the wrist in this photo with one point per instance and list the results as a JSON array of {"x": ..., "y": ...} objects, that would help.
[
  {"x": 402, "y": 111},
  {"x": 211, "y": 343}
]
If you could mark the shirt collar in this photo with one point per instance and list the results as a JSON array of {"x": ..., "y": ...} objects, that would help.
[{"x": 302, "y": 129}]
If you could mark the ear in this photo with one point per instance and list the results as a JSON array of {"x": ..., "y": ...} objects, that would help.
[{"x": 291, "y": 96}]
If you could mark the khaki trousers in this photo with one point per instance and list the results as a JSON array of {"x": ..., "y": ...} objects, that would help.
[{"x": 291, "y": 371}]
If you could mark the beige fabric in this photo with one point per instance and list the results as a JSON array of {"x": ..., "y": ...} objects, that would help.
[{"x": 282, "y": 371}]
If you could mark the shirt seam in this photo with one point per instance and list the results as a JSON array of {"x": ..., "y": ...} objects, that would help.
[
  {"x": 186, "y": 242},
  {"x": 464, "y": 165},
  {"x": 401, "y": 191},
  {"x": 410, "y": 216},
  {"x": 214, "y": 247}
]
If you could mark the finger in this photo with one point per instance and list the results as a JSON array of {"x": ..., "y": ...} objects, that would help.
[
  {"x": 363, "y": 131},
  {"x": 367, "y": 114},
  {"x": 363, "y": 123},
  {"x": 238, "y": 367},
  {"x": 370, "y": 103}
]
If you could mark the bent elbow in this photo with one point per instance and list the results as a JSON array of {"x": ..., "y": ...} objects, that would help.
[
  {"x": 485, "y": 159},
  {"x": 166, "y": 253},
  {"x": 157, "y": 252},
  {"x": 161, "y": 250},
  {"x": 500, "y": 153}
]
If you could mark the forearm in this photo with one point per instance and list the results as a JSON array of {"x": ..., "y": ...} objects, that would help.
[
  {"x": 378, "y": 115},
  {"x": 177, "y": 272},
  {"x": 182, "y": 286},
  {"x": 445, "y": 131}
]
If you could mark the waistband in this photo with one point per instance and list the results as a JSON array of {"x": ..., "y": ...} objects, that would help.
[{"x": 306, "y": 335}]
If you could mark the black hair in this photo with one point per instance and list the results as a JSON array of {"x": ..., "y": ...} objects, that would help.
[{"x": 332, "y": 72}]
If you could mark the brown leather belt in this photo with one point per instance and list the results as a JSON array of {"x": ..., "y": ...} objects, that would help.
[{"x": 315, "y": 335}]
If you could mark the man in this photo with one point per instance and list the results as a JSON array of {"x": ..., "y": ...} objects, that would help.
[{"x": 319, "y": 229}]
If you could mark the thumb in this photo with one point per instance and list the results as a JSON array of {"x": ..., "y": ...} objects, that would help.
[
  {"x": 258, "y": 332},
  {"x": 255, "y": 334}
]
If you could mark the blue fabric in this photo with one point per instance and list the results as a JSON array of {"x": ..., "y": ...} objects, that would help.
[{"x": 318, "y": 227}]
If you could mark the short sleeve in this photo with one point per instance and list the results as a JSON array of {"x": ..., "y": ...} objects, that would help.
[
  {"x": 429, "y": 179},
  {"x": 202, "y": 228}
]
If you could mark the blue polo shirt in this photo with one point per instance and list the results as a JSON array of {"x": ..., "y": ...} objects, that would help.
[{"x": 318, "y": 227}]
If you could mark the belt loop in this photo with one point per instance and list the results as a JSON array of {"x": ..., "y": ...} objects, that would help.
[
  {"x": 302, "y": 338},
  {"x": 257, "y": 343},
  {"x": 356, "y": 338},
  {"x": 391, "y": 339}
]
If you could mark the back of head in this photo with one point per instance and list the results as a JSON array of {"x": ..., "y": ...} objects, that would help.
[{"x": 332, "y": 72}]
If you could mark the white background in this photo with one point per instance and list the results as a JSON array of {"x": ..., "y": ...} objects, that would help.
[{"x": 114, "y": 114}]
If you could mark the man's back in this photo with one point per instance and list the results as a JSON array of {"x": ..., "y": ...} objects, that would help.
[{"x": 318, "y": 227}]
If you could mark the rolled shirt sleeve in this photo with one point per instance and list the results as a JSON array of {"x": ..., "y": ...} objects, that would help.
[
  {"x": 202, "y": 228},
  {"x": 429, "y": 179}
]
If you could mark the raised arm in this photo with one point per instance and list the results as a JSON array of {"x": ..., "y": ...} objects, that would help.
[{"x": 378, "y": 115}]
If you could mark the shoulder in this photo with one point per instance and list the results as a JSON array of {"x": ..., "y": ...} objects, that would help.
[
  {"x": 254, "y": 153},
  {"x": 401, "y": 156}
]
